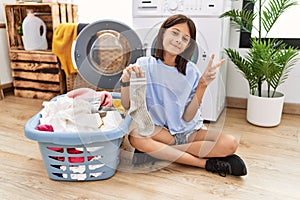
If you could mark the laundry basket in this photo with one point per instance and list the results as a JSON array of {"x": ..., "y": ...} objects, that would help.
[{"x": 79, "y": 156}]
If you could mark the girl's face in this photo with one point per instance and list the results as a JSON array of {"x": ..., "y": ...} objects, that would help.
[{"x": 176, "y": 38}]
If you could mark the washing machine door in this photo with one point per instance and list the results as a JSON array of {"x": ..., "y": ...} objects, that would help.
[{"x": 103, "y": 49}]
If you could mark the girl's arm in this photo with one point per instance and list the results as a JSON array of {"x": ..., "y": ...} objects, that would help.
[
  {"x": 125, "y": 91},
  {"x": 208, "y": 76}
]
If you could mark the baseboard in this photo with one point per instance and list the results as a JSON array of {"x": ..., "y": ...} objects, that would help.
[
  {"x": 288, "y": 108},
  {"x": 233, "y": 102},
  {"x": 6, "y": 85},
  {"x": 2, "y": 25},
  {"x": 3, "y": 87}
]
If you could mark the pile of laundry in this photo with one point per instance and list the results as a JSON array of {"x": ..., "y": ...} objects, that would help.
[{"x": 80, "y": 110}]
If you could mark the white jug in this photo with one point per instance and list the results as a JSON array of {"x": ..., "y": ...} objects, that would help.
[{"x": 33, "y": 39}]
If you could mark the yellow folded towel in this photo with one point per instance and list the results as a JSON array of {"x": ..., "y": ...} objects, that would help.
[{"x": 63, "y": 37}]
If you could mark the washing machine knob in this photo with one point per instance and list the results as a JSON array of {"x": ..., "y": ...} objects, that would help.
[{"x": 173, "y": 5}]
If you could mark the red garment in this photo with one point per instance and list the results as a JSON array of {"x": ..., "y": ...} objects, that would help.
[
  {"x": 45, "y": 127},
  {"x": 49, "y": 128},
  {"x": 87, "y": 93}
]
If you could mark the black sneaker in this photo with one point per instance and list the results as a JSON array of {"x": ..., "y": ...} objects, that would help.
[
  {"x": 142, "y": 158},
  {"x": 232, "y": 165}
]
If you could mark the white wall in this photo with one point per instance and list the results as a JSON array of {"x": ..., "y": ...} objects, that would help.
[
  {"x": 5, "y": 73},
  {"x": 2, "y": 18},
  {"x": 94, "y": 10},
  {"x": 237, "y": 85}
]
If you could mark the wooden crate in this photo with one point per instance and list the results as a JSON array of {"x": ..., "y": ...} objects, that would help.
[
  {"x": 37, "y": 74},
  {"x": 51, "y": 13}
]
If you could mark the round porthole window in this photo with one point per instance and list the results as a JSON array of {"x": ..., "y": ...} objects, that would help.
[
  {"x": 110, "y": 52},
  {"x": 103, "y": 49}
]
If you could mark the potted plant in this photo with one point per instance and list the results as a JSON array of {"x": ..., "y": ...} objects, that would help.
[{"x": 268, "y": 61}]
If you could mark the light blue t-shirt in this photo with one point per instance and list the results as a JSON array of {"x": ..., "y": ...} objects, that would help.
[{"x": 168, "y": 92}]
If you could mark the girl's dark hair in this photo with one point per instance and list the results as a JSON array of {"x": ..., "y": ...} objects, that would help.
[{"x": 181, "y": 59}]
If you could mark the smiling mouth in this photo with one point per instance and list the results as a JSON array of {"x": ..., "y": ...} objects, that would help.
[{"x": 175, "y": 46}]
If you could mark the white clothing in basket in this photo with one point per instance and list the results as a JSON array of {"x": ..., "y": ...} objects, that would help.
[{"x": 75, "y": 115}]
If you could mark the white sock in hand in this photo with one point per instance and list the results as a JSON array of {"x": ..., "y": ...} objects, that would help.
[{"x": 138, "y": 110}]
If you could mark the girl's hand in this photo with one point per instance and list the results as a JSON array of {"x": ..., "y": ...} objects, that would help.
[
  {"x": 211, "y": 70},
  {"x": 127, "y": 72},
  {"x": 106, "y": 99}
]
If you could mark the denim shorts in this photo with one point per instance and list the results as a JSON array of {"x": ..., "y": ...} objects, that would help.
[{"x": 182, "y": 138}]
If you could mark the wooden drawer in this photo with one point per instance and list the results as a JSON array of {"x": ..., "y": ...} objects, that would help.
[
  {"x": 37, "y": 74},
  {"x": 38, "y": 80},
  {"x": 33, "y": 56}
]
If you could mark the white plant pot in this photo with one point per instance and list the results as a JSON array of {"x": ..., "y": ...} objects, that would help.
[{"x": 264, "y": 111}]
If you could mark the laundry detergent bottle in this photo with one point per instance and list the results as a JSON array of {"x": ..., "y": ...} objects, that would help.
[{"x": 34, "y": 33}]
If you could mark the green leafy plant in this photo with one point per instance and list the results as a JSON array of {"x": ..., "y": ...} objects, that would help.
[
  {"x": 19, "y": 29},
  {"x": 268, "y": 60}
]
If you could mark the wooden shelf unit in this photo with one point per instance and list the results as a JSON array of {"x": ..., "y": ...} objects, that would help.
[{"x": 37, "y": 74}]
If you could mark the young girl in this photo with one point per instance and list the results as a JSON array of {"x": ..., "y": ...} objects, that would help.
[{"x": 174, "y": 93}]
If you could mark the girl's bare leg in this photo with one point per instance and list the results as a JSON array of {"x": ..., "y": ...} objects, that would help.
[
  {"x": 205, "y": 144},
  {"x": 160, "y": 145}
]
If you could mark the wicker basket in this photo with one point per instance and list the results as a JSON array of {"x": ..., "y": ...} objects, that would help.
[
  {"x": 108, "y": 52},
  {"x": 75, "y": 81}
]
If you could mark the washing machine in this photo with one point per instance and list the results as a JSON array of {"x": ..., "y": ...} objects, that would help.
[
  {"x": 212, "y": 38},
  {"x": 102, "y": 50}
]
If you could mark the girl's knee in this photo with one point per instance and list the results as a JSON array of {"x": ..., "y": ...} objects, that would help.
[
  {"x": 228, "y": 145},
  {"x": 232, "y": 144},
  {"x": 137, "y": 142},
  {"x": 133, "y": 141}
]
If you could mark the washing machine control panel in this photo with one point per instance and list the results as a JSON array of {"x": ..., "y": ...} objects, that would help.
[
  {"x": 160, "y": 8},
  {"x": 193, "y": 7}
]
